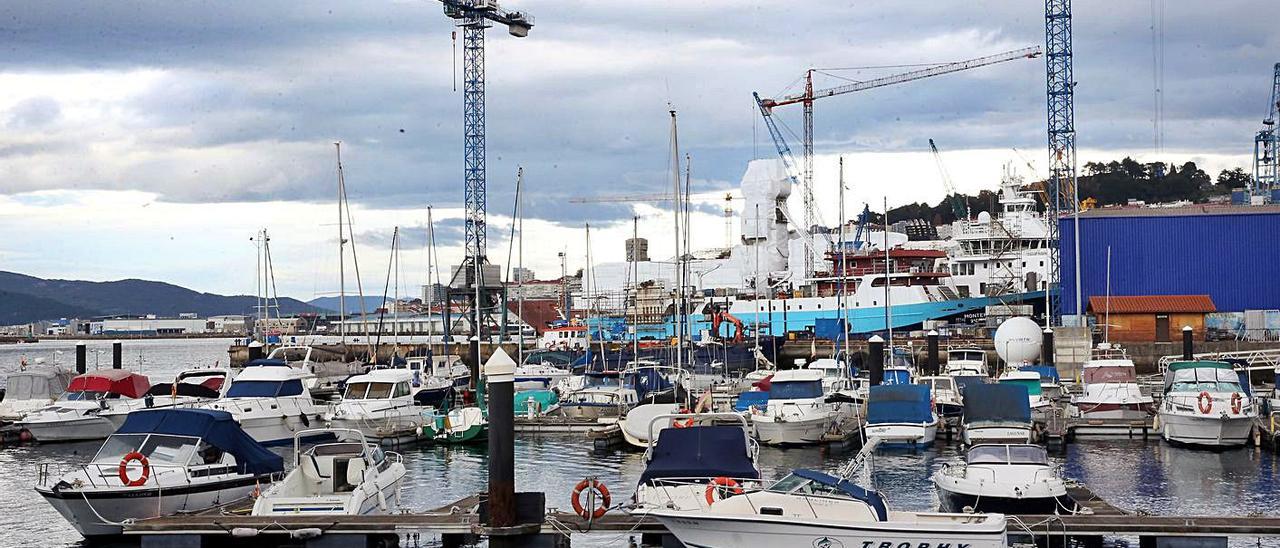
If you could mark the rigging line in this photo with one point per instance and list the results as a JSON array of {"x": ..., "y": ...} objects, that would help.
[
  {"x": 869, "y": 67},
  {"x": 355, "y": 262},
  {"x": 838, "y": 77},
  {"x": 382, "y": 312}
]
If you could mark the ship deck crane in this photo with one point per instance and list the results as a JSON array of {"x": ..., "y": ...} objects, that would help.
[
  {"x": 809, "y": 95},
  {"x": 959, "y": 205}
]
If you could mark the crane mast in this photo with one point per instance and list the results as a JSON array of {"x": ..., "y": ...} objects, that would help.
[
  {"x": 1266, "y": 144},
  {"x": 1063, "y": 196}
]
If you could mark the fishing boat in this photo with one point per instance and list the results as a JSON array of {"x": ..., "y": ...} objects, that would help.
[
  {"x": 1205, "y": 404},
  {"x": 996, "y": 413},
  {"x": 30, "y": 389},
  {"x": 947, "y": 400},
  {"x": 271, "y": 403},
  {"x": 603, "y": 395},
  {"x": 161, "y": 462},
  {"x": 379, "y": 404},
  {"x": 797, "y": 412},
  {"x": 76, "y": 416},
  {"x": 811, "y": 508},
  {"x": 901, "y": 415},
  {"x": 1003, "y": 479},
  {"x": 188, "y": 388},
  {"x": 696, "y": 464},
  {"x": 966, "y": 361},
  {"x": 1111, "y": 388},
  {"x": 346, "y": 477},
  {"x": 457, "y": 426}
]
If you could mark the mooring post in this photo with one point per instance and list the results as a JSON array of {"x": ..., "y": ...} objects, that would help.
[
  {"x": 499, "y": 373},
  {"x": 82, "y": 358},
  {"x": 256, "y": 351},
  {"x": 932, "y": 362},
  {"x": 117, "y": 355},
  {"x": 875, "y": 347},
  {"x": 473, "y": 363},
  {"x": 1187, "y": 333},
  {"x": 1046, "y": 348}
]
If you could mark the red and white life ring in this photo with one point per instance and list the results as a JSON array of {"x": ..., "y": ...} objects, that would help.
[
  {"x": 1205, "y": 402},
  {"x": 722, "y": 482},
  {"x": 686, "y": 423},
  {"x": 584, "y": 486},
  {"x": 1237, "y": 403},
  {"x": 124, "y": 469}
]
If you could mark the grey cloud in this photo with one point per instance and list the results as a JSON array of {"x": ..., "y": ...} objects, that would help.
[{"x": 34, "y": 113}]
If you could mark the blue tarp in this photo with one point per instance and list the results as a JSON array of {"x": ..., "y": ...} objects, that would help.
[
  {"x": 903, "y": 403},
  {"x": 647, "y": 380},
  {"x": 963, "y": 382},
  {"x": 700, "y": 452},
  {"x": 216, "y": 428},
  {"x": 831, "y": 329},
  {"x": 264, "y": 389},
  {"x": 266, "y": 362},
  {"x": 872, "y": 498},
  {"x": 1045, "y": 371},
  {"x": 996, "y": 403},
  {"x": 896, "y": 376},
  {"x": 748, "y": 399}
]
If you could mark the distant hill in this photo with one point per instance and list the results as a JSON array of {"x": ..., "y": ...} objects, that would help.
[
  {"x": 27, "y": 298},
  {"x": 353, "y": 303}
]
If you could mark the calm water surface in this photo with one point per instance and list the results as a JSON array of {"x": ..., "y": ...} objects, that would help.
[{"x": 1141, "y": 475}]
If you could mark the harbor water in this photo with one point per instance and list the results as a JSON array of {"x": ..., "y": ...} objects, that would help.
[{"x": 1148, "y": 476}]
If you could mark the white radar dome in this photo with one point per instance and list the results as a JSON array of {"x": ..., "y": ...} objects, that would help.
[
  {"x": 1017, "y": 340},
  {"x": 984, "y": 217}
]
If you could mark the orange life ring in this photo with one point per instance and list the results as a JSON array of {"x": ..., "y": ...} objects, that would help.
[
  {"x": 124, "y": 469},
  {"x": 1237, "y": 403},
  {"x": 599, "y": 487},
  {"x": 725, "y": 482},
  {"x": 1205, "y": 402},
  {"x": 677, "y": 423}
]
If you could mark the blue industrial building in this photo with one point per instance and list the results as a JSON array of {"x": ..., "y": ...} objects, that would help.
[{"x": 1227, "y": 252}]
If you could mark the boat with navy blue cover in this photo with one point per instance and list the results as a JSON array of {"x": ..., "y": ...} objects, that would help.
[
  {"x": 996, "y": 413},
  {"x": 901, "y": 414},
  {"x": 811, "y": 508},
  {"x": 161, "y": 462},
  {"x": 695, "y": 466}
]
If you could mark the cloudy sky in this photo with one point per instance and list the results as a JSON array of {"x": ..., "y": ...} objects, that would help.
[{"x": 152, "y": 139}]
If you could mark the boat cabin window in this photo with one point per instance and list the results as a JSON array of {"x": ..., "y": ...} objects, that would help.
[
  {"x": 1110, "y": 373},
  {"x": 206, "y": 454},
  {"x": 87, "y": 395},
  {"x": 264, "y": 389},
  {"x": 602, "y": 381},
  {"x": 158, "y": 448},
  {"x": 402, "y": 390},
  {"x": 965, "y": 355},
  {"x": 336, "y": 449},
  {"x": 368, "y": 391},
  {"x": 795, "y": 390},
  {"x": 804, "y": 486},
  {"x": 1007, "y": 454},
  {"x": 1206, "y": 386}
]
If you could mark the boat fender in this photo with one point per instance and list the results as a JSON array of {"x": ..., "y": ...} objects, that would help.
[
  {"x": 1205, "y": 402},
  {"x": 1237, "y": 403},
  {"x": 123, "y": 472},
  {"x": 588, "y": 485},
  {"x": 677, "y": 423},
  {"x": 244, "y": 532},
  {"x": 305, "y": 421},
  {"x": 729, "y": 484},
  {"x": 305, "y": 533}
]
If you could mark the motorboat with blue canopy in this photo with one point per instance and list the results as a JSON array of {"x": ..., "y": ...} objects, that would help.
[
  {"x": 699, "y": 461},
  {"x": 749, "y": 399},
  {"x": 270, "y": 402},
  {"x": 901, "y": 414},
  {"x": 159, "y": 463},
  {"x": 997, "y": 413}
]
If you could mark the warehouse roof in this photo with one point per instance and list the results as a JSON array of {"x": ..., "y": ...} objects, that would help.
[
  {"x": 1152, "y": 304},
  {"x": 1196, "y": 209}
]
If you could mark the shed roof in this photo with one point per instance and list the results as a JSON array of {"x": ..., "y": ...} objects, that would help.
[{"x": 1152, "y": 304}]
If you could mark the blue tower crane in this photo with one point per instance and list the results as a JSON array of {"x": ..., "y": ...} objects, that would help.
[
  {"x": 1266, "y": 145},
  {"x": 1062, "y": 196}
]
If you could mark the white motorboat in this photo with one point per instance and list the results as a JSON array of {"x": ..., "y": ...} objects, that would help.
[
  {"x": 76, "y": 416},
  {"x": 603, "y": 395},
  {"x": 635, "y": 424},
  {"x": 325, "y": 369},
  {"x": 380, "y": 405},
  {"x": 835, "y": 375},
  {"x": 809, "y": 508},
  {"x": 901, "y": 415},
  {"x": 31, "y": 389},
  {"x": 697, "y": 463},
  {"x": 1013, "y": 478},
  {"x": 966, "y": 362},
  {"x": 1029, "y": 381},
  {"x": 347, "y": 477},
  {"x": 1050, "y": 381},
  {"x": 1205, "y": 404},
  {"x": 996, "y": 413},
  {"x": 947, "y": 401},
  {"x": 1111, "y": 388},
  {"x": 797, "y": 412},
  {"x": 161, "y": 462},
  {"x": 539, "y": 376},
  {"x": 190, "y": 387},
  {"x": 270, "y": 402}
]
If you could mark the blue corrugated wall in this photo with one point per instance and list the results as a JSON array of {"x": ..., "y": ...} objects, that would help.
[{"x": 1233, "y": 258}]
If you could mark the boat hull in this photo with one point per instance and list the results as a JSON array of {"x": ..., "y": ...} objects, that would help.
[
  {"x": 974, "y": 435},
  {"x": 758, "y": 531},
  {"x": 790, "y": 432},
  {"x": 90, "y": 512},
  {"x": 904, "y": 433},
  {"x": 1206, "y": 430},
  {"x": 1108, "y": 410},
  {"x": 79, "y": 429},
  {"x": 956, "y": 502}
]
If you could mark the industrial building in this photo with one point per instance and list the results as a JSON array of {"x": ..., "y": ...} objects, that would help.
[
  {"x": 148, "y": 326},
  {"x": 1151, "y": 318},
  {"x": 1225, "y": 252}
]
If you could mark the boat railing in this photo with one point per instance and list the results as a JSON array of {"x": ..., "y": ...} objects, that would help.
[
  {"x": 666, "y": 486},
  {"x": 101, "y": 475}
]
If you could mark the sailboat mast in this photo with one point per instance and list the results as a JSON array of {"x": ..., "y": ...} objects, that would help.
[
  {"x": 342, "y": 259},
  {"x": 520, "y": 259},
  {"x": 888, "y": 310},
  {"x": 844, "y": 284},
  {"x": 755, "y": 243},
  {"x": 635, "y": 288},
  {"x": 679, "y": 293},
  {"x": 1106, "y": 324},
  {"x": 586, "y": 294},
  {"x": 395, "y": 296},
  {"x": 431, "y": 288}
]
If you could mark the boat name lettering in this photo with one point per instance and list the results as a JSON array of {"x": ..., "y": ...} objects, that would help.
[{"x": 891, "y": 544}]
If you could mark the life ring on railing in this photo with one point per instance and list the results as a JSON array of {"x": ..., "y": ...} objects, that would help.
[
  {"x": 590, "y": 484},
  {"x": 1237, "y": 403},
  {"x": 124, "y": 469},
  {"x": 686, "y": 423},
  {"x": 1205, "y": 402},
  {"x": 719, "y": 482}
]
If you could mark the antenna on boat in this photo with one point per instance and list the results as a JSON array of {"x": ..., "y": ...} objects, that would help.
[{"x": 1106, "y": 325}]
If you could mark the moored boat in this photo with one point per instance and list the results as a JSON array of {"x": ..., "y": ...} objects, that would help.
[
  {"x": 1111, "y": 388},
  {"x": 271, "y": 403},
  {"x": 996, "y": 413},
  {"x": 797, "y": 412},
  {"x": 901, "y": 415},
  {"x": 348, "y": 476},
  {"x": 697, "y": 463},
  {"x": 1012, "y": 478},
  {"x": 380, "y": 405},
  {"x": 30, "y": 389},
  {"x": 1205, "y": 404},
  {"x": 76, "y": 416}
]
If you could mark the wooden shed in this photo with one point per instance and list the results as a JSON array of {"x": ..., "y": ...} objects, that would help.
[{"x": 1151, "y": 318}]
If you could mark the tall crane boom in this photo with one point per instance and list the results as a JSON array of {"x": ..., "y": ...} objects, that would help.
[
  {"x": 809, "y": 95},
  {"x": 1266, "y": 144},
  {"x": 959, "y": 205},
  {"x": 1063, "y": 196}
]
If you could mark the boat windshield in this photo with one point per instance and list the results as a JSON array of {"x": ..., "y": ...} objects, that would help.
[
  {"x": 368, "y": 391},
  {"x": 158, "y": 448},
  {"x": 1110, "y": 373},
  {"x": 795, "y": 390},
  {"x": 87, "y": 395},
  {"x": 1205, "y": 386},
  {"x": 805, "y": 486},
  {"x": 264, "y": 389},
  {"x": 965, "y": 355},
  {"x": 1007, "y": 454},
  {"x": 602, "y": 381}
]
